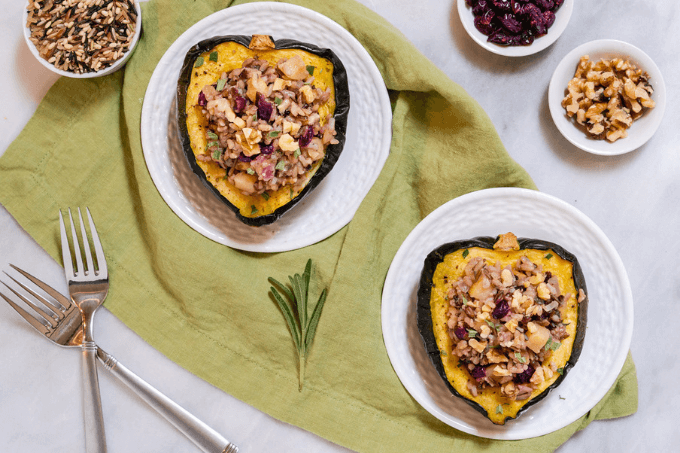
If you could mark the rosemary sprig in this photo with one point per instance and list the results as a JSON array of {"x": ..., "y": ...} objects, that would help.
[{"x": 302, "y": 326}]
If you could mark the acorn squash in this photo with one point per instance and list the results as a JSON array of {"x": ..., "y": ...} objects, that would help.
[
  {"x": 204, "y": 64},
  {"x": 443, "y": 311}
]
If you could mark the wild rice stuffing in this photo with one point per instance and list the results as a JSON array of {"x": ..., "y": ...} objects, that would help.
[
  {"x": 264, "y": 124},
  {"x": 504, "y": 323},
  {"x": 81, "y": 36}
]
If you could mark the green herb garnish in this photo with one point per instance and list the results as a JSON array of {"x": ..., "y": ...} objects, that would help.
[
  {"x": 213, "y": 143},
  {"x": 466, "y": 252},
  {"x": 561, "y": 371},
  {"x": 548, "y": 256},
  {"x": 499, "y": 409},
  {"x": 465, "y": 301},
  {"x": 213, "y": 56},
  {"x": 492, "y": 325},
  {"x": 212, "y": 135},
  {"x": 220, "y": 84},
  {"x": 265, "y": 195},
  {"x": 255, "y": 117},
  {"x": 552, "y": 344},
  {"x": 519, "y": 357},
  {"x": 253, "y": 209},
  {"x": 472, "y": 333},
  {"x": 310, "y": 69},
  {"x": 250, "y": 171},
  {"x": 302, "y": 327},
  {"x": 291, "y": 193},
  {"x": 278, "y": 100},
  {"x": 280, "y": 166},
  {"x": 199, "y": 62},
  {"x": 297, "y": 153},
  {"x": 217, "y": 154},
  {"x": 274, "y": 134}
]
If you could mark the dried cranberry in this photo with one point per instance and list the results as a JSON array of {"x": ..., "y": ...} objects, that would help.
[
  {"x": 527, "y": 38},
  {"x": 503, "y": 5},
  {"x": 481, "y": 7},
  {"x": 460, "y": 332},
  {"x": 484, "y": 24},
  {"x": 267, "y": 172},
  {"x": 264, "y": 109},
  {"x": 517, "y": 7},
  {"x": 535, "y": 19},
  {"x": 545, "y": 5},
  {"x": 524, "y": 376},
  {"x": 239, "y": 103},
  {"x": 243, "y": 158},
  {"x": 266, "y": 149},
  {"x": 510, "y": 23},
  {"x": 306, "y": 137},
  {"x": 549, "y": 18},
  {"x": 478, "y": 372},
  {"x": 504, "y": 38},
  {"x": 202, "y": 101},
  {"x": 501, "y": 310}
]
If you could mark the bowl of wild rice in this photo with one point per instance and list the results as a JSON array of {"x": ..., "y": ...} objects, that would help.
[{"x": 82, "y": 38}]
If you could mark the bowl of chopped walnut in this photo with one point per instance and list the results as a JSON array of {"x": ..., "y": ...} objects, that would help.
[
  {"x": 607, "y": 97},
  {"x": 82, "y": 38}
]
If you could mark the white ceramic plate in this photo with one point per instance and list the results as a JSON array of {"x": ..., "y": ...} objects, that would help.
[
  {"x": 562, "y": 17},
  {"x": 526, "y": 213},
  {"x": 333, "y": 203},
  {"x": 88, "y": 75},
  {"x": 641, "y": 130}
]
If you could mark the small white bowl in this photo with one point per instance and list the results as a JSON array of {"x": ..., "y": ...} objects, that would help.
[
  {"x": 642, "y": 129},
  {"x": 88, "y": 75},
  {"x": 562, "y": 17}
]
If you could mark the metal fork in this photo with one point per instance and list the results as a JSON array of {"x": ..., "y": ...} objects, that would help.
[
  {"x": 59, "y": 320},
  {"x": 87, "y": 287}
]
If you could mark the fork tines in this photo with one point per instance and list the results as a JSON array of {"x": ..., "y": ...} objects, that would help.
[
  {"x": 44, "y": 317},
  {"x": 90, "y": 272}
]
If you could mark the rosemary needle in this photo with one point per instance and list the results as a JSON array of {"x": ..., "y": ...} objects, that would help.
[{"x": 302, "y": 326}]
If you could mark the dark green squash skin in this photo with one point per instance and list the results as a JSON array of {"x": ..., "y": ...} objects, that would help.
[
  {"x": 424, "y": 316},
  {"x": 332, "y": 151}
]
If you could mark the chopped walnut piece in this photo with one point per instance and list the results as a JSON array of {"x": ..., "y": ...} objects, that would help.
[
  {"x": 606, "y": 96},
  {"x": 507, "y": 241},
  {"x": 261, "y": 42},
  {"x": 294, "y": 68}
]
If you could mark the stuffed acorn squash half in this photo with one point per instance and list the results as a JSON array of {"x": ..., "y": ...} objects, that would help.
[
  {"x": 503, "y": 320},
  {"x": 261, "y": 122}
]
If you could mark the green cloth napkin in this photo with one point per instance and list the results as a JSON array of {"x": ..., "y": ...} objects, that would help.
[{"x": 207, "y": 307}]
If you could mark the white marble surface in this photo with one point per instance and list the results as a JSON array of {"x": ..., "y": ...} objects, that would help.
[{"x": 633, "y": 198}]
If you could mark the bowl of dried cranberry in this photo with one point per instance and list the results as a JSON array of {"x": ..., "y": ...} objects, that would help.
[{"x": 515, "y": 28}]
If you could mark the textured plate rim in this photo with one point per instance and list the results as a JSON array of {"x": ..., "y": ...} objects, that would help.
[
  {"x": 565, "y": 72},
  {"x": 406, "y": 373},
  {"x": 341, "y": 220},
  {"x": 541, "y": 43}
]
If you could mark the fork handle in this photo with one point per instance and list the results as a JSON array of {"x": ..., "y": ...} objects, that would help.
[
  {"x": 95, "y": 438},
  {"x": 205, "y": 438}
]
